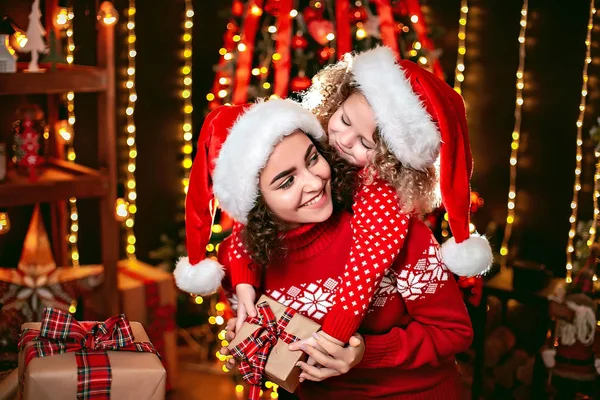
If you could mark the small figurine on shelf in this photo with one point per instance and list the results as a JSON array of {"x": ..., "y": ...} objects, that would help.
[
  {"x": 55, "y": 53},
  {"x": 35, "y": 35},
  {"x": 573, "y": 355},
  {"x": 8, "y": 58},
  {"x": 28, "y": 131}
]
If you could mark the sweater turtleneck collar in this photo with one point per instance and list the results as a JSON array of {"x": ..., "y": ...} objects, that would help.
[{"x": 310, "y": 239}]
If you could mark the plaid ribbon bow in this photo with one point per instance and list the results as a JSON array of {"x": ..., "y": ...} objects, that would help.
[
  {"x": 254, "y": 350},
  {"x": 61, "y": 333}
]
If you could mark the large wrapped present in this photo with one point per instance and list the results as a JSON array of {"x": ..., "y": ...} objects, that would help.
[
  {"x": 148, "y": 295},
  {"x": 261, "y": 345},
  {"x": 61, "y": 358}
]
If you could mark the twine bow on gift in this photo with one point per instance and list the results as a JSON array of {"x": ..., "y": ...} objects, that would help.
[
  {"x": 254, "y": 350},
  {"x": 61, "y": 333}
]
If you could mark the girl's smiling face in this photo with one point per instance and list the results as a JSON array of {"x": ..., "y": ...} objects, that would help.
[{"x": 351, "y": 129}]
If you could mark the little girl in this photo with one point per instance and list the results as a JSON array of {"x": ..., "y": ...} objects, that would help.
[{"x": 392, "y": 120}]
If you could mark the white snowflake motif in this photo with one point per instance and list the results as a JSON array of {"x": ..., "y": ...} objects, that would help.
[
  {"x": 387, "y": 288},
  {"x": 312, "y": 299},
  {"x": 316, "y": 301},
  {"x": 425, "y": 277}
]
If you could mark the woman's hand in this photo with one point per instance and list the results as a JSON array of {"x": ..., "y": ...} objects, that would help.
[
  {"x": 333, "y": 359},
  {"x": 229, "y": 336},
  {"x": 246, "y": 295}
]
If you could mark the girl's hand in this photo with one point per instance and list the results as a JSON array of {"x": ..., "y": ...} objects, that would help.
[{"x": 246, "y": 298}]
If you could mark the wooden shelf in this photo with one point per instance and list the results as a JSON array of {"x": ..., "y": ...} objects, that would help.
[
  {"x": 66, "y": 78},
  {"x": 59, "y": 180}
]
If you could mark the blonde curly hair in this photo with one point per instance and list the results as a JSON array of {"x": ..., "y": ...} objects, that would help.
[{"x": 417, "y": 189}]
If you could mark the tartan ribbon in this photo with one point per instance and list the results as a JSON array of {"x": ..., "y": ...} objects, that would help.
[
  {"x": 254, "y": 350},
  {"x": 61, "y": 333}
]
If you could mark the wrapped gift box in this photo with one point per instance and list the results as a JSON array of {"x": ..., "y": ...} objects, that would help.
[
  {"x": 148, "y": 295},
  {"x": 281, "y": 366},
  {"x": 136, "y": 375}
]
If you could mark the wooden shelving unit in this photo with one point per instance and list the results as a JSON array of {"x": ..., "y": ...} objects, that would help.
[
  {"x": 66, "y": 78},
  {"x": 61, "y": 179}
]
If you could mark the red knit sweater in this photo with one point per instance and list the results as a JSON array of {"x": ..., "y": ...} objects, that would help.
[
  {"x": 415, "y": 325},
  {"x": 378, "y": 232}
]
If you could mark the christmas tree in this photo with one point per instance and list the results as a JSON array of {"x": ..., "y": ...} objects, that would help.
[
  {"x": 35, "y": 36},
  {"x": 55, "y": 53},
  {"x": 272, "y": 49}
]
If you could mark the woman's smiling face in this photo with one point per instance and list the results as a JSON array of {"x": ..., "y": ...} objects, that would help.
[{"x": 296, "y": 182}]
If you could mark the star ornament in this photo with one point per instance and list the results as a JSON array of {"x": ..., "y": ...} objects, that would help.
[{"x": 37, "y": 282}]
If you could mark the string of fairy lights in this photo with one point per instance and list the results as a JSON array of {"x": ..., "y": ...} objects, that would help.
[
  {"x": 516, "y": 134},
  {"x": 459, "y": 72},
  {"x": 64, "y": 21},
  {"x": 579, "y": 155},
  {"x": 71, "y": 156},
  {"x": 130, "y": 182},
  {"x": 186, "y": 94}
]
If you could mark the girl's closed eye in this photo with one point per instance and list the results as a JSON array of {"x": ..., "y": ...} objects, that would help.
[
  {"x": 287, "y": 183},
  {"x": 344, "y": 120},
  {"x": 365, "y": 144}
]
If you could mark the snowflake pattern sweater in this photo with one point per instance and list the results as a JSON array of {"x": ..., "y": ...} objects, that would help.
[
  {"x": 414, "y": 326},
  {"x": 379, "y": 230}
]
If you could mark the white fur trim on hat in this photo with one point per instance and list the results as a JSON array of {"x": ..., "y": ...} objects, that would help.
[
  {"x": 248, "y": 147},
  {"x": 471, "y": 257},
  {"x": 203, "y": 278},
  {"x": 404, "y": 124}
]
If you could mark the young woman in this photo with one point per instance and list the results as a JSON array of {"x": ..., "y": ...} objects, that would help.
[{"x": 270, "y": 175}]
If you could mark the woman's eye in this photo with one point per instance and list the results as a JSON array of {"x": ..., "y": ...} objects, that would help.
[
  {"x": 287, "y": 183},
  {"x": 313, "y": 159},
  {"x": 344, "y": 121},
  {"x": 365, "y": 144}
]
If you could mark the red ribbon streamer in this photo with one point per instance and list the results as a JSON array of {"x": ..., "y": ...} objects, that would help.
[
  {"x": 61, "y": 333},
  {"x": 386, "y": 26},
  {"x": 414, "y": 8},
  {"x": 254, "y": 350},
  {"x": 244, "y": 64},
  {"x": 282, "y": 67},
  {"x": 342, "y": 21}
]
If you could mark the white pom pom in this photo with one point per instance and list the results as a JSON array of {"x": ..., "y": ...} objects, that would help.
[
  {"x": 203, "y": 278},
  {"x": 469, "y": 258}
]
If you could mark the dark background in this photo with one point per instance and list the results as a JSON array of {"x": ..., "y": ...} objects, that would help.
[{"x": 555, "y": 53}]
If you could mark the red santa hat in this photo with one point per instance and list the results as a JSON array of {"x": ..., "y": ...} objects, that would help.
[
  {"x": 234, "y": 145},
  {"x": 195, "y": 273},
  {"x": 420, "y": 117}
]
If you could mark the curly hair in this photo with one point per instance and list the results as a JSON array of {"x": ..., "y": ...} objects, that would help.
[
  {"x": 417, "y": 189},
  {"x": 262, "y": 234},
  {"x": 331, "y": 87}
]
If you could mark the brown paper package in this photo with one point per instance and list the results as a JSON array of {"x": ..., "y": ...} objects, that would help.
[
  {"x": 135, "y": 376},
  {"x": 281, "y": 363},
  {"x": 133, "y": 303}
]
